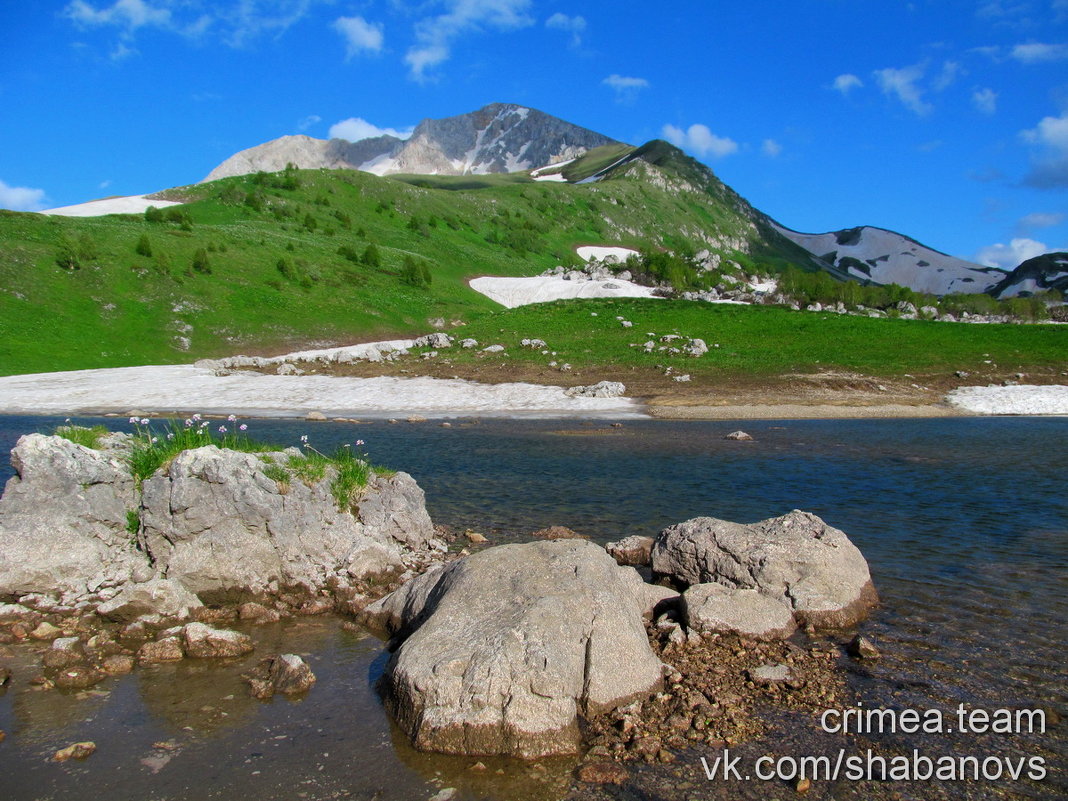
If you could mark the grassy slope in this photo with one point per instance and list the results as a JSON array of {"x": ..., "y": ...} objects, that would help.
[
  {"x": 761, "y": 340},
  {"x": 122, "y": 308}
]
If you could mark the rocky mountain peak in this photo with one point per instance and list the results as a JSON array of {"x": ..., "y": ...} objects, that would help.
[{"x": 498, "y": 138}]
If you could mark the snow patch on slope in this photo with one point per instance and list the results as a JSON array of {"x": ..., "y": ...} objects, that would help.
[
  {"x": 1022, "y": 399},
  {"x": 185, "y": 388},
  {"x": 132, "y": 204},
  {"x": 513, "y": 292}
]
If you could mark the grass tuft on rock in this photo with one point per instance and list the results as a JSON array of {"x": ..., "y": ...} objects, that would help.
[
  {"x": 152, "y": 450},
  {"x": 88, "y": 437}
]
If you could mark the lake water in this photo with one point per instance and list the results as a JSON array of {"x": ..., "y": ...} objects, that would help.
[{"x": 964, "y": 523}]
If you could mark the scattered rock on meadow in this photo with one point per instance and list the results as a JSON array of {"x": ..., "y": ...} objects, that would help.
[{"x": 602, "y": 389}]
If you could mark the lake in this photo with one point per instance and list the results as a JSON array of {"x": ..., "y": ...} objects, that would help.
[{"x": 964, "y": 522}]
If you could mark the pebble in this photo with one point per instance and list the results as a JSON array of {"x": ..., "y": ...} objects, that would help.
[{"x": 75, "y": 751}]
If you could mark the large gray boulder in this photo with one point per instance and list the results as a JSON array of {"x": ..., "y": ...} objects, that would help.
[
  {"x": 501, "y": 652},
  {"x": 717, "y": 608},
  {"x": 797, "y": 560},
  {"x": 64, "y": 525},
  {"x": 212, "y": 523},
  {"x": 215, "y": 521}
]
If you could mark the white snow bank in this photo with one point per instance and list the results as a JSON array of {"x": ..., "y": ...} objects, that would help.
[
  {"x": 600, "y": 252},
  {"x": 134, "y": 204},
  {"x": 512, "y": 292},
  {"x": 1022, "y": 399},
  {"x": 185, "y": 388},
  {"x": 556, "y": 176}
]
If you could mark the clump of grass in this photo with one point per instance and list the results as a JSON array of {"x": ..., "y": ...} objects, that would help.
[
  {"x": 353, "y": 473},
  {"x": 277, "y": 474},
  {"x": 89, "y": 437},
  {"x": 152, "y": 450},
  {"x": 133, "y": 521}
]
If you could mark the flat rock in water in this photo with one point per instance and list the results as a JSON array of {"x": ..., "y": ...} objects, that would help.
[
  {"x": 501, "y": 652},
  {"x": 739, "y": 436},
  {"x": 797, "y": 560},
  {"x": 557, "y": 533},
  {"x": 204, "y": 642}
]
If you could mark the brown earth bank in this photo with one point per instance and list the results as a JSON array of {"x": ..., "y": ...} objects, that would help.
[{"x": 722, "y": 396}]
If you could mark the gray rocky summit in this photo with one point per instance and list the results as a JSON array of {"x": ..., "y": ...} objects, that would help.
[{"x": 501, "y": 137}]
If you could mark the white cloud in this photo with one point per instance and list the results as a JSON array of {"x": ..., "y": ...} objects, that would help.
[
  {"x": 699, "y": 139},
  {"x": 234, "y": 23},
  {"x": 771, "y": 148},
  {"x": 21, "y": 198},
  {"x": 576, "y": 26},
  {"x": 1009, "y": 257},
  {"x": 1037, "y": 53},
  {"x": 130, "y": 14},
  {"x": 1033, "y": 222},
  {"x": 435, "y": 35},
  {"x": 951, "y": 70},
  {"x": 360, "y": 35},
  {"x": 844, "y": 83},
  {"x": 1049, "y": 170},
  {"x": 105, "y": 184},
  {"x": 355, "y": 128},
  {"x": 308, "y": 122},
  {"x": 986, "y": 100},
  {"x": 626, "y": 88},
  {"x": 901, "y": 83}
]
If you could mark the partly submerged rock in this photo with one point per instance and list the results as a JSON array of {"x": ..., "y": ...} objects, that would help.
[
  {"x": 204, "y": 642},
  {"x": 602, "y": 389},
  {"x": 632, "y": 550},
  {"x": 157, "y": 596},
  {"x": 501, "y": 652},
  {"x": 797, "y": 560}
]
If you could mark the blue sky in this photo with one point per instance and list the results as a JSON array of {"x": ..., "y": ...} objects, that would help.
[{"x": 946, "y": 121}]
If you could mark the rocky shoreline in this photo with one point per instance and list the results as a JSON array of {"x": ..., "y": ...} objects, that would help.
[{"x": 556, "y": 646}]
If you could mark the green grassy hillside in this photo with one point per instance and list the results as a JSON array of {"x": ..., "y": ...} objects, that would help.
[{"x": 264, "y": 263}]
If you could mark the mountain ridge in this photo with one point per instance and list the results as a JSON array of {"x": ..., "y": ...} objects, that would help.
[{"x": 497, "y": 138}]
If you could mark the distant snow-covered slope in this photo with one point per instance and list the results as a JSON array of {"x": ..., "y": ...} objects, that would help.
[
  {"x": 886, "y": 257},
  {"x": 1048, "y": 271},
  {"x": 133, "y": 204},
  {"x": 501, "y": 137}
]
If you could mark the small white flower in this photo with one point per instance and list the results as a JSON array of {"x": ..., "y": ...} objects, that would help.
[
  {"x": 232, "y": 418},
  {"x": 133, "y": 421},
  {"x": 188, "y": 423},
  {"x": 170, "y": 436},
  {"x": 244, "y": 427},
  {"x": 196, "y": 417},
  {"x": 155, "y": 440},
  {"x": 360, "y": 442},
  {"x": 303, "y": 437},
  {"x": 222, "y": 429},
  {"x": 144, "y": 421}
]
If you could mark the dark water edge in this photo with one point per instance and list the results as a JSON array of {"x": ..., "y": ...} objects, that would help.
[{"x": 964, "y": 523}]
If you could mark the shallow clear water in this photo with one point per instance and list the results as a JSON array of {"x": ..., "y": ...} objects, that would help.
[{"x": 964, "y": 523}]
